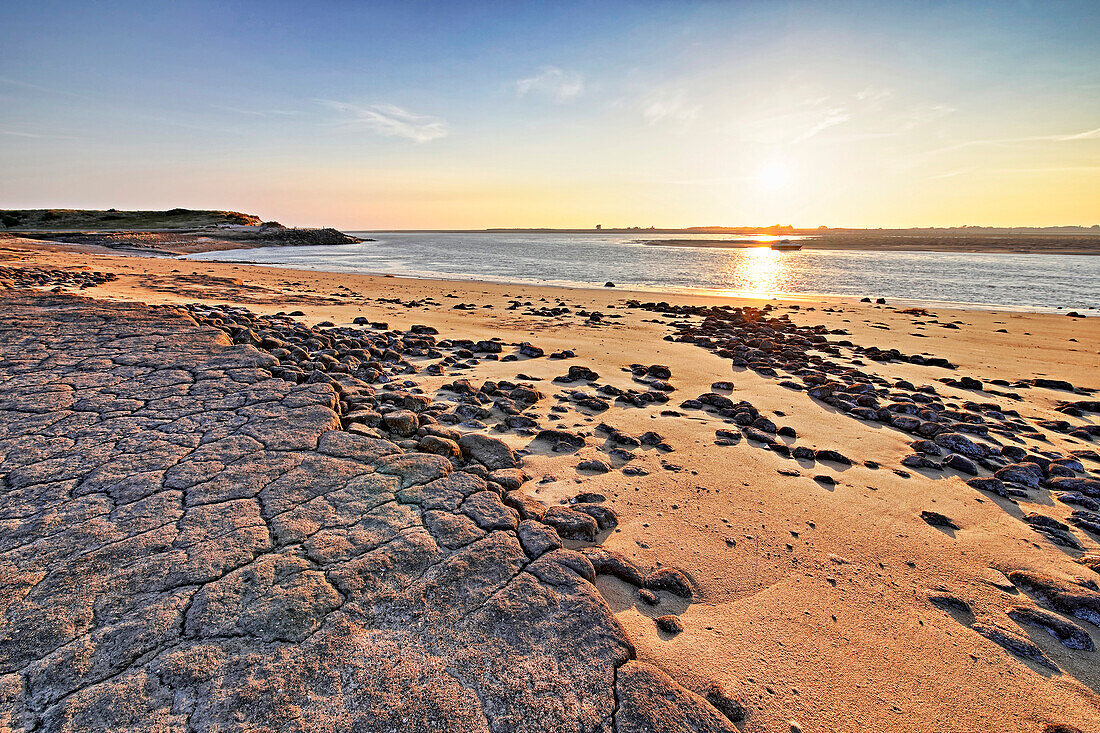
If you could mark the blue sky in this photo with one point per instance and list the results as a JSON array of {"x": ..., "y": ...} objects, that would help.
[{"x": 561, "y": 114}]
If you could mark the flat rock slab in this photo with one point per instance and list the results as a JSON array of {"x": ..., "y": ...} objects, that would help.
[{"x": 188, "y": 544}]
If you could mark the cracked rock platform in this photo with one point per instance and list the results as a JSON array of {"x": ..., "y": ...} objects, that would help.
[{"x": 188, "y": 543}]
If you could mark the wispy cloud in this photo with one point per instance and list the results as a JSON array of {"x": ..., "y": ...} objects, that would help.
[
  {"x": 874, "y": 95},
  {"x": 1009, "y": 141},
  {"x": 553, "y": 83},
  {"x": 36, "y": 87},
  {"x": 391, "y": 120},
  {"x": 830, "y": 118},
  {"x": 258, "y": 112},
  {"x": 1087, "y": 135},
  {"x": 36, "y": 135},
  {"x": 872, "y": 112},
  {"x": 1015, "y": 171},
  {"x": 951, "y": 174},
  {"x": 662, "y": 106}
]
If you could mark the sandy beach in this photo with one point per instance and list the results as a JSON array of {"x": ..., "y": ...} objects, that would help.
[{"x": 856, "y": 590}]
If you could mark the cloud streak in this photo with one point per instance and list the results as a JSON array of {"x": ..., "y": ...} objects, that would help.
[
  {"x": 257, "y": 112},
  {"x": 553, "y": 83},
  {"x": 37, "y": 88},
  {"x": 392, "y": 121},
  {"x": 1087, "y": 135},
  {"x": 831, "y": 118},
  {"x": 662, "y": 107},
  {"x": 37, "y": 136},
  {"x": 1008, "y": 141}
]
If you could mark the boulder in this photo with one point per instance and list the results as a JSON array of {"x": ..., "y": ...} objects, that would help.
[{"x": 490, "y": 452}]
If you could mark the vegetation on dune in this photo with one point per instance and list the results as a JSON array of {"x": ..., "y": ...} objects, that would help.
[{"x": 31, "y": 219}]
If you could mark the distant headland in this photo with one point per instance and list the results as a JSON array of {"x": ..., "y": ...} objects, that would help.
[{"x": 175, "y": 231}]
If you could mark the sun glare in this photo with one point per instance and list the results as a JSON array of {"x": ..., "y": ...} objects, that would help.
[{"x": 774, "y": 176}]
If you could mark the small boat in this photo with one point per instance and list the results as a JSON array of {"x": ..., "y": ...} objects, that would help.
[{"x": 786, "y": 245}]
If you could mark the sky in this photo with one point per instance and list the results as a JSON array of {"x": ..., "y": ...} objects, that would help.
[{"x": 432, "y": 115}]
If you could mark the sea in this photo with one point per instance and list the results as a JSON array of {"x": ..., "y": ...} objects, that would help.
[{"x": 1031, "y": 282}]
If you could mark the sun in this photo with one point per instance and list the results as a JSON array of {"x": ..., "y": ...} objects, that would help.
[{"x": 774, "y": 176}]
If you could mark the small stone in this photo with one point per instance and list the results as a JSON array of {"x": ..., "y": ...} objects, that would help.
[
  {"x": 669, "y": 624},
  {"x": 724, "y": 702},
  {"x": 594, "y": 465},
  {"x": 605, "y": 517},
  {"x": 672, "y": 580}
]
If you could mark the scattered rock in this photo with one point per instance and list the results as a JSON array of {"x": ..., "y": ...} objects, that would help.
[
  {"x": 669, "y": 624},
  {"x": 672, "y": 580},
  {"x": 938, "y": 520},
  {"x": 492, "y": 453},
  {"x": 571, "y": 525}
]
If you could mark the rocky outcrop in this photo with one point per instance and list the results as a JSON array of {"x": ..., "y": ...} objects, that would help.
[{"x": 189, "y": 543}]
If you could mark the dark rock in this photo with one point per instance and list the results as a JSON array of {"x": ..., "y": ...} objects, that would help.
[
  {"x": 927, "y": 447},
  {"x": 608, "y": 562},
  {"x": 1084, "y": 485},
  {"x": 528, "y": 506},
  {"x": 492, "y": 453},
  {"x": 1059, "y": 384},
  {"x": 439, "y": 446},
  {"x": 672, "y": 580},
  {"x": 572, "y": 440},
  {"x": 669, "y": 624},
  {"x": 803, "y": 453},
  {"x": 1068, "y": 633},
  {"x": 724, "y": 702},
  {"x": 961, "y": 464},
  {"x": 993, "y": 485},
  {"x": 401, "y": 422},
  {"x": 919, "y": 461},
  {"x": 1025, "y": 474},
  {"x": 594, "y": 465},
  {"x": 571, "y": 525},
  {"x": 605, "y": 517},
  {"x": 530, "y": 350},
  {"x": 959, "y": 443},
  {"x": 649, "y": 701},
  {"x": 536, "y": 538},
  {"x": 489, "y": 512},
  {"x": 832, "y": 455}
]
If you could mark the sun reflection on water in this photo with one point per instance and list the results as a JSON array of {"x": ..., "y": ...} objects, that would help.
[{"x": 756, "y": 271}]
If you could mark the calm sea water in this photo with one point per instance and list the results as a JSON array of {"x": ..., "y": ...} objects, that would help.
[{"x": 1031, "y": 282}]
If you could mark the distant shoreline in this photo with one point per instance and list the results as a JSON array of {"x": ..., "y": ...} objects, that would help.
[
  {"x": 958, "y": 240},
  {"x": 713, "y": 243}
]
